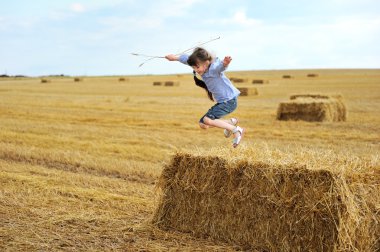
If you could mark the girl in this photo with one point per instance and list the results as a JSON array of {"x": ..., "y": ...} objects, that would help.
[{"x": 218, "y": 87}]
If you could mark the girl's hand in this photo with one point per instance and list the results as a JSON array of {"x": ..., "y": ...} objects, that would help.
[
  {"x": 172, "y": 57},
  {"x": 227, "y": 61}
]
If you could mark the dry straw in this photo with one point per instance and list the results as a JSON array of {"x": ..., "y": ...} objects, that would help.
[
  {"x": 273, "y": 205},
  {"x": 313, "y": 107},
  {"x": 245, "y": 91},
  {"x": 157, "y": 83}
]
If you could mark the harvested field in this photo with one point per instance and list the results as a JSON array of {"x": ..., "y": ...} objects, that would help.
[{"x": 80, "y": 165}]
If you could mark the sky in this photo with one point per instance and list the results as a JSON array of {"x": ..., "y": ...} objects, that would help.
[{"x": 97, "y": 37}]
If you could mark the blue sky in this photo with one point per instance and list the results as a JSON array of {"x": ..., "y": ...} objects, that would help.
[{"x": 97, "y": 37}]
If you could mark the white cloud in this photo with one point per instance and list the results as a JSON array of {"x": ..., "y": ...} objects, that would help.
[
  {"x": 238, "y": 18},
  {"x": 241, "y": 18},
  {"x": 77, "y": 7}
]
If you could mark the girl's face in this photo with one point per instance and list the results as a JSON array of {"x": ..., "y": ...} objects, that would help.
[{"x": 201, "y": 67}]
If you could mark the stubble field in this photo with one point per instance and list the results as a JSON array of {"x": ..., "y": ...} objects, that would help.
[{"x": 79, "y": 161}]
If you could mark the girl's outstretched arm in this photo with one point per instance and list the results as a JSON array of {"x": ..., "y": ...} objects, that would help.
[{"x": 172, "y": 57}]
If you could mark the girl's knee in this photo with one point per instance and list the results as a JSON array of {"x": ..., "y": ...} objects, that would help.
[
  {"x": 203, "y": 126},
  {"x": 207, "y": 121}
]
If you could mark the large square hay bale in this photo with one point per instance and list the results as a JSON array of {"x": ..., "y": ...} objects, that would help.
[
  {"x": 247, "y": 91},
  {"x": 270, "y": 207},
  {"x": 313, "y": 108},
  {"x": 157, "y": 83}
]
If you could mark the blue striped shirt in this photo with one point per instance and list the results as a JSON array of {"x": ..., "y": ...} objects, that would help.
[{"x": 216, "y": 81}]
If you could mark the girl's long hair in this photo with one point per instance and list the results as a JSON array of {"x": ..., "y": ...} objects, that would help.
[
  {"x": 202, "y": 84},
  {"x": 200, "y": 55}
]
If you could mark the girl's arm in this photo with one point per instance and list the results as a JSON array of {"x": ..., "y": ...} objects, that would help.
[
  {"x": 221, "y": 66},
  {"x": 175, "y": 57},
  {"x": 172, "y": 57}
]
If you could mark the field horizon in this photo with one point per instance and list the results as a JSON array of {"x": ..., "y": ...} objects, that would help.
[{"x": 80, "y": 160}]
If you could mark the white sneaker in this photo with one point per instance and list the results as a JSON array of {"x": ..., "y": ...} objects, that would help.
[
  {"x": 233, "y": 121},
  {"x": 238, "y": 139}
]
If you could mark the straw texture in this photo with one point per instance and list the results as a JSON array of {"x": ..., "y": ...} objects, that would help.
[
  {"x": 269, "y": 207},
  {"x": 313, "y": 108}
]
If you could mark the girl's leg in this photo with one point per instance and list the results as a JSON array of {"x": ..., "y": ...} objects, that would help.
[
  {"x": 219, "y": 123},
  {"x": 205, "y": 126}
]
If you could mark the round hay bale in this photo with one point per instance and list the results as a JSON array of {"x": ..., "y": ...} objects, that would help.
[
  {"x": 246, "y": 91},
  {"x": 268, "y": 206},
  {"x": 312, "y": 109},
  {"x": 45, "y": 81},
  {"x": 77, "y": 79}
]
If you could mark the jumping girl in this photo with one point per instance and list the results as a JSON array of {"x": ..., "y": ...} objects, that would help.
[{"x": 218, "y": 88}]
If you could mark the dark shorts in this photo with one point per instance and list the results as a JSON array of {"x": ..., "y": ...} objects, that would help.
[{"x": 220, "y": 109}]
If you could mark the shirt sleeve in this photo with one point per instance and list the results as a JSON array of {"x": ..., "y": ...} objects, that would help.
[
  {"x": 183, "y": 58},
  {"x": 218, "y": 66}
]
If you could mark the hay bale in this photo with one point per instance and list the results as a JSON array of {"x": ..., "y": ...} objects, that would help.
[
  {"x": 269, "y": 207},
  {"x": 121, "y": 79},
  {"x": 45, "y": 81},
  {"x": 260, "y": 81},
  {"x": 314, "y": 96},
  {"x": 313, "y": 108},
  {"x": 77, "y": 79},
  {"x": 245, "y": 91},
  {"x": 171, "y": 83},
  {"x": 287, "y": 76},
  {"x": 312, "y": 75},
  {"x": 238, "y": 80},
  {"x": 157, "y": 83}
]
